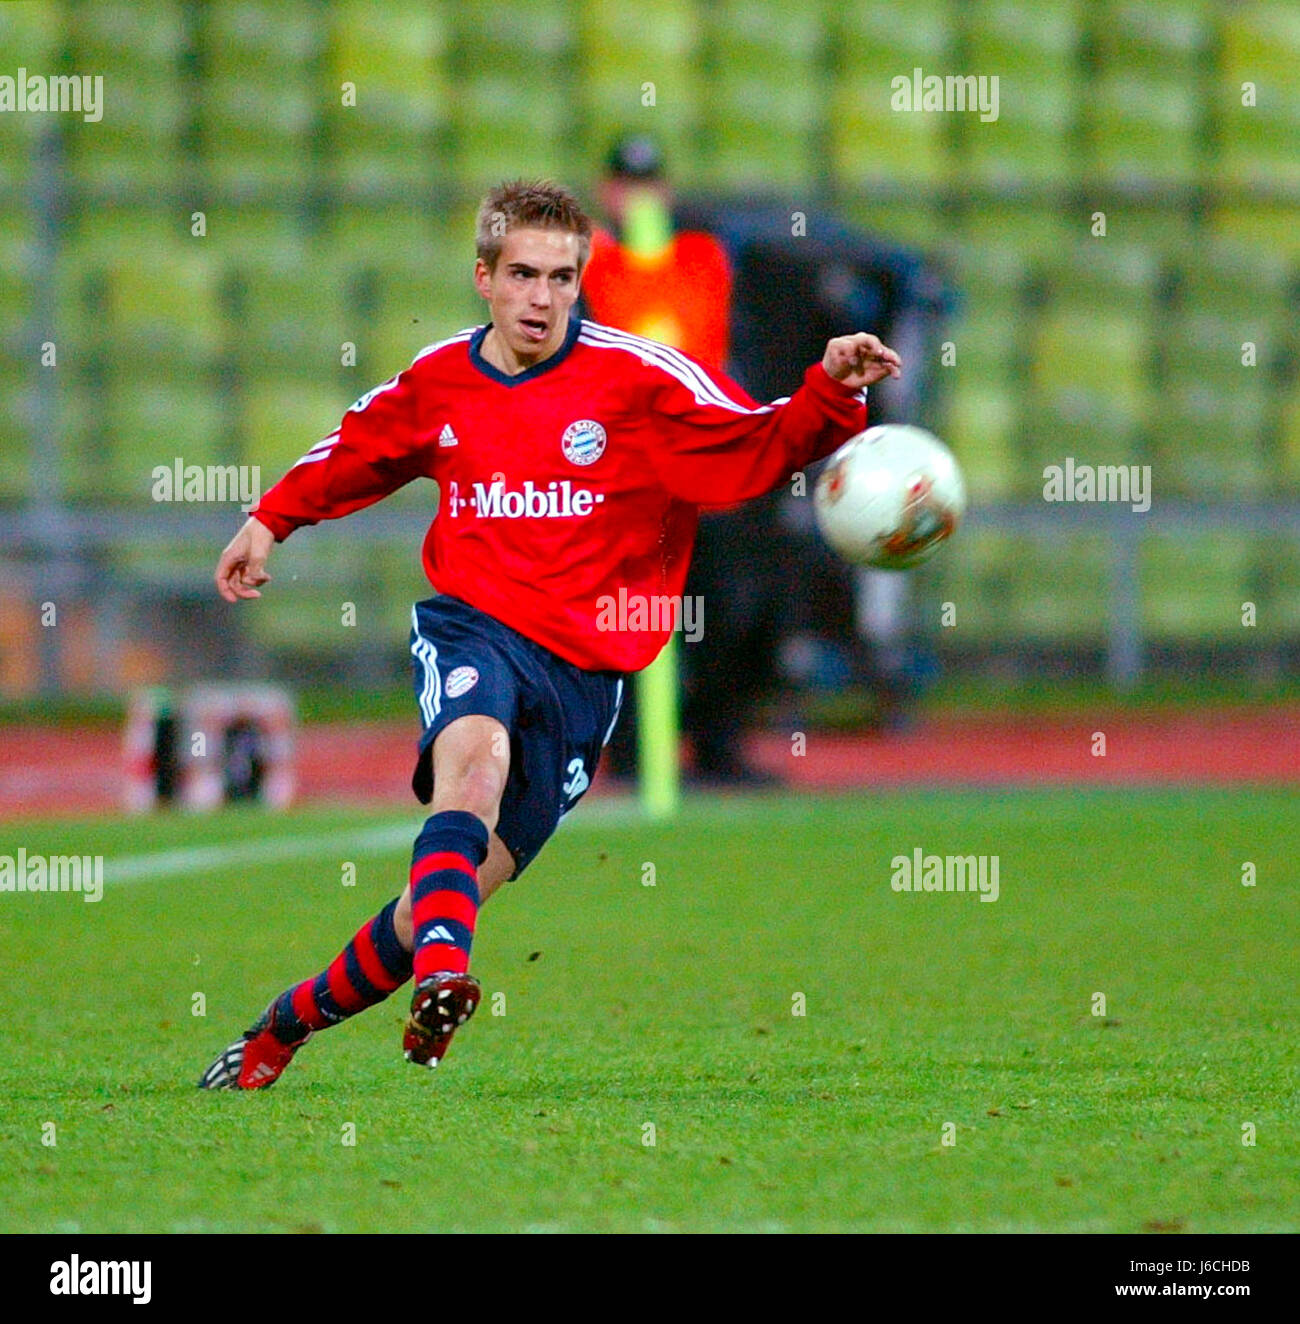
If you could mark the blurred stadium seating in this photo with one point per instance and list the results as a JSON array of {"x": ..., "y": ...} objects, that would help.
[{"x": 328, "y": 223}]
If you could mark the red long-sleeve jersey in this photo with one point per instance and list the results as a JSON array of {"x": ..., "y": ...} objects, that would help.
[{"x": 569, "y": 493}]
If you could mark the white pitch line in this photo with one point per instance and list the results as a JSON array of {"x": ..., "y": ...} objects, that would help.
[
  {"x": 600, "y": 815},
  {"x": 195, "y": 859}
]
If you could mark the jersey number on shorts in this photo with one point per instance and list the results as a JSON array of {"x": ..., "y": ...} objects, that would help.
[{"x": 578, "y": 780}]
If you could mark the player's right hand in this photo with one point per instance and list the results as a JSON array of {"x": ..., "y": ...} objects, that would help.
[
  {"x": 860, "y": 360},
  {"x": 243, "y": 564}
]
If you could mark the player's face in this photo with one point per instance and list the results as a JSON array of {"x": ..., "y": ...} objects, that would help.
[{"x": 531, "y": 291}]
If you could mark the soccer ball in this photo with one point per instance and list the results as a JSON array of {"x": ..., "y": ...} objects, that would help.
[{"x": 889, "y": 496}]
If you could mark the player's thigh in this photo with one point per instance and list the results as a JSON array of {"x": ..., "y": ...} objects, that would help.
[
  {"x": 471, "y": 761},
  {"x": 494, "y": 871}
]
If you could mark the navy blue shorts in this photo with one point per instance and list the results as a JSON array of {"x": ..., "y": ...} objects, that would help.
[{"x": 559, "y": 716}]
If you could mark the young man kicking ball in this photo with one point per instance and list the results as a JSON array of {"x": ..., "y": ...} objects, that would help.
[{"x": 571, "y": 461}]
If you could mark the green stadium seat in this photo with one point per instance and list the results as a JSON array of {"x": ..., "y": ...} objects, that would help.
[
  {"x": 1263, "y": 224},
  {"x": 16, "y": 401},
  {"x": 373, "y": 163},
  {"x": 979, "y": 582},
  {"x": 1233, "y": 279},
  {"x": 1091, "y": 426},
  {"x": 503, "y": 128},
  {"x": 980, "y": 426},
  {"x": 1288, "y": 457},
  {"x": 1257, "y": 145},
  {"x": 1019, "y": 42},
  {"x": 916, "y": 222},
  {"x": 135, "y": 148},
  {"x": 18, "y": 255},
  {"x": 417, "y": 304},
  {"x": 1031, "y": 232},
  {"x": 393, "y": 139},
  {"x": 1109, "y": 271},
  {"x": 766, "y": 37},
  {"x": 1062, "y": 589},
  {"x": 287, "y": 319},
  {"x": 989, "y": 331},
  {"x": 36, "y": 31},
  {"x": 1200, "y": 345},
  {"x": 106, "y": 32},
  {"x": 396, "y": 55},
  {"x": 872, "y": 147},
  {"x": 168, "y": 310},
  {"x": 1208, "y": 439},
  {"x": 506, "y": 37},
  {"x": 1032, "y": 140},
  {"x": 1019, "y": 587},
  {"x": 1093, "y": 349},
  {"x": 1165, "y": 232},
  {"x": 1206, "y": 604},
  {"x": 872, "y": 39},
  {"x": 1259, "y": 42},
  {"x": 871, "y": 144},
  {"x": 1142, "y": 128},
  {"x": 1278, "y": 614},
  {"x": 1154, "y": 40},
  {"x": 135, "y": 283},
  {"x": 989, "y": 342},
  {"x": 983, "y": 389},
  {"x": 258, "y": 137},
  {"x": 629, "y": 34},
  {"x": 262, "y": 236},
  {"x": 620, "y": 49},
  {"x": 413, "y": 234},
  {"x": 151, "y": 420},
  {"x": 763, "y": 136},
  {"x": 257, "y": 40},
  {"x": 276, "y": 426}
]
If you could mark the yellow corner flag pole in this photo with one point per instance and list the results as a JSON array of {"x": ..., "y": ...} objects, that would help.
[
  {"x": 658, "y": 726},
  {"x": 648, "y": 232}
]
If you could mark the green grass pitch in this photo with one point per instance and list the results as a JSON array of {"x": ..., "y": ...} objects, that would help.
[{"x": 665, "y": 1012}]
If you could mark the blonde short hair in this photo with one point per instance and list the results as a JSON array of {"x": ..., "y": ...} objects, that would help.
[{"x": 523, "y": 204}]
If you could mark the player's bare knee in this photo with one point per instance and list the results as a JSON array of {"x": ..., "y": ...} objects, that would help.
[{"x": 476, "y": 789}]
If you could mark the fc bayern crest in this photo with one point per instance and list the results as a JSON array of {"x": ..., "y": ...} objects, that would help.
[
  {"x": 461, "y": 681},
  {"x": 583, "y": 442}
]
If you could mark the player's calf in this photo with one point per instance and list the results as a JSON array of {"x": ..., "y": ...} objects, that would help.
[{"x": 444, "y": 909}]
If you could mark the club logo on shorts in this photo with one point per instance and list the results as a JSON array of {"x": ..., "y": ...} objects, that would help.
[
  {"x": 583, "y": 442},
  {"x": 461, "y": 681}
]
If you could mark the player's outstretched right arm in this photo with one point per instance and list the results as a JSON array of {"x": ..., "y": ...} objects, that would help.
[{"x": 242, "y": 567}]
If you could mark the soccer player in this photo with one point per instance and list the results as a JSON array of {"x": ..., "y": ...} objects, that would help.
[{"x": 570, "y": 459}]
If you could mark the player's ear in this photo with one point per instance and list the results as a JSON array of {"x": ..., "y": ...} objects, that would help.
[{"x": 482, "y": 278}]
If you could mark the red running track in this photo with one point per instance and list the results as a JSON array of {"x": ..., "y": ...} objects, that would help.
[{"x": 53, "y": 772}]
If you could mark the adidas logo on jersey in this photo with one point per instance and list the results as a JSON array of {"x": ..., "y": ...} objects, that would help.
[{"x": 447, "y": 437}]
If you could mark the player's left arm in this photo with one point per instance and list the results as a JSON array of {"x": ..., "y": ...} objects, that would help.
[{"x": 715, "y": 445}]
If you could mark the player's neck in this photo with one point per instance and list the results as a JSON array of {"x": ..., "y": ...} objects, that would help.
[{"x": 504, "y": 359}]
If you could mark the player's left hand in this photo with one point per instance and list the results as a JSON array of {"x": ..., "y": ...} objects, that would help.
[{"x": 860, "y": 360}]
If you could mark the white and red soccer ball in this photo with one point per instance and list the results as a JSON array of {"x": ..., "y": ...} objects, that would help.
[{"x": 889, "y": 496}]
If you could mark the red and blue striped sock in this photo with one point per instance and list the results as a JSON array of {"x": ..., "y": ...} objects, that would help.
[
  {"x": 364, "y": 973},
  {"x": 444, "y": 890}
]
